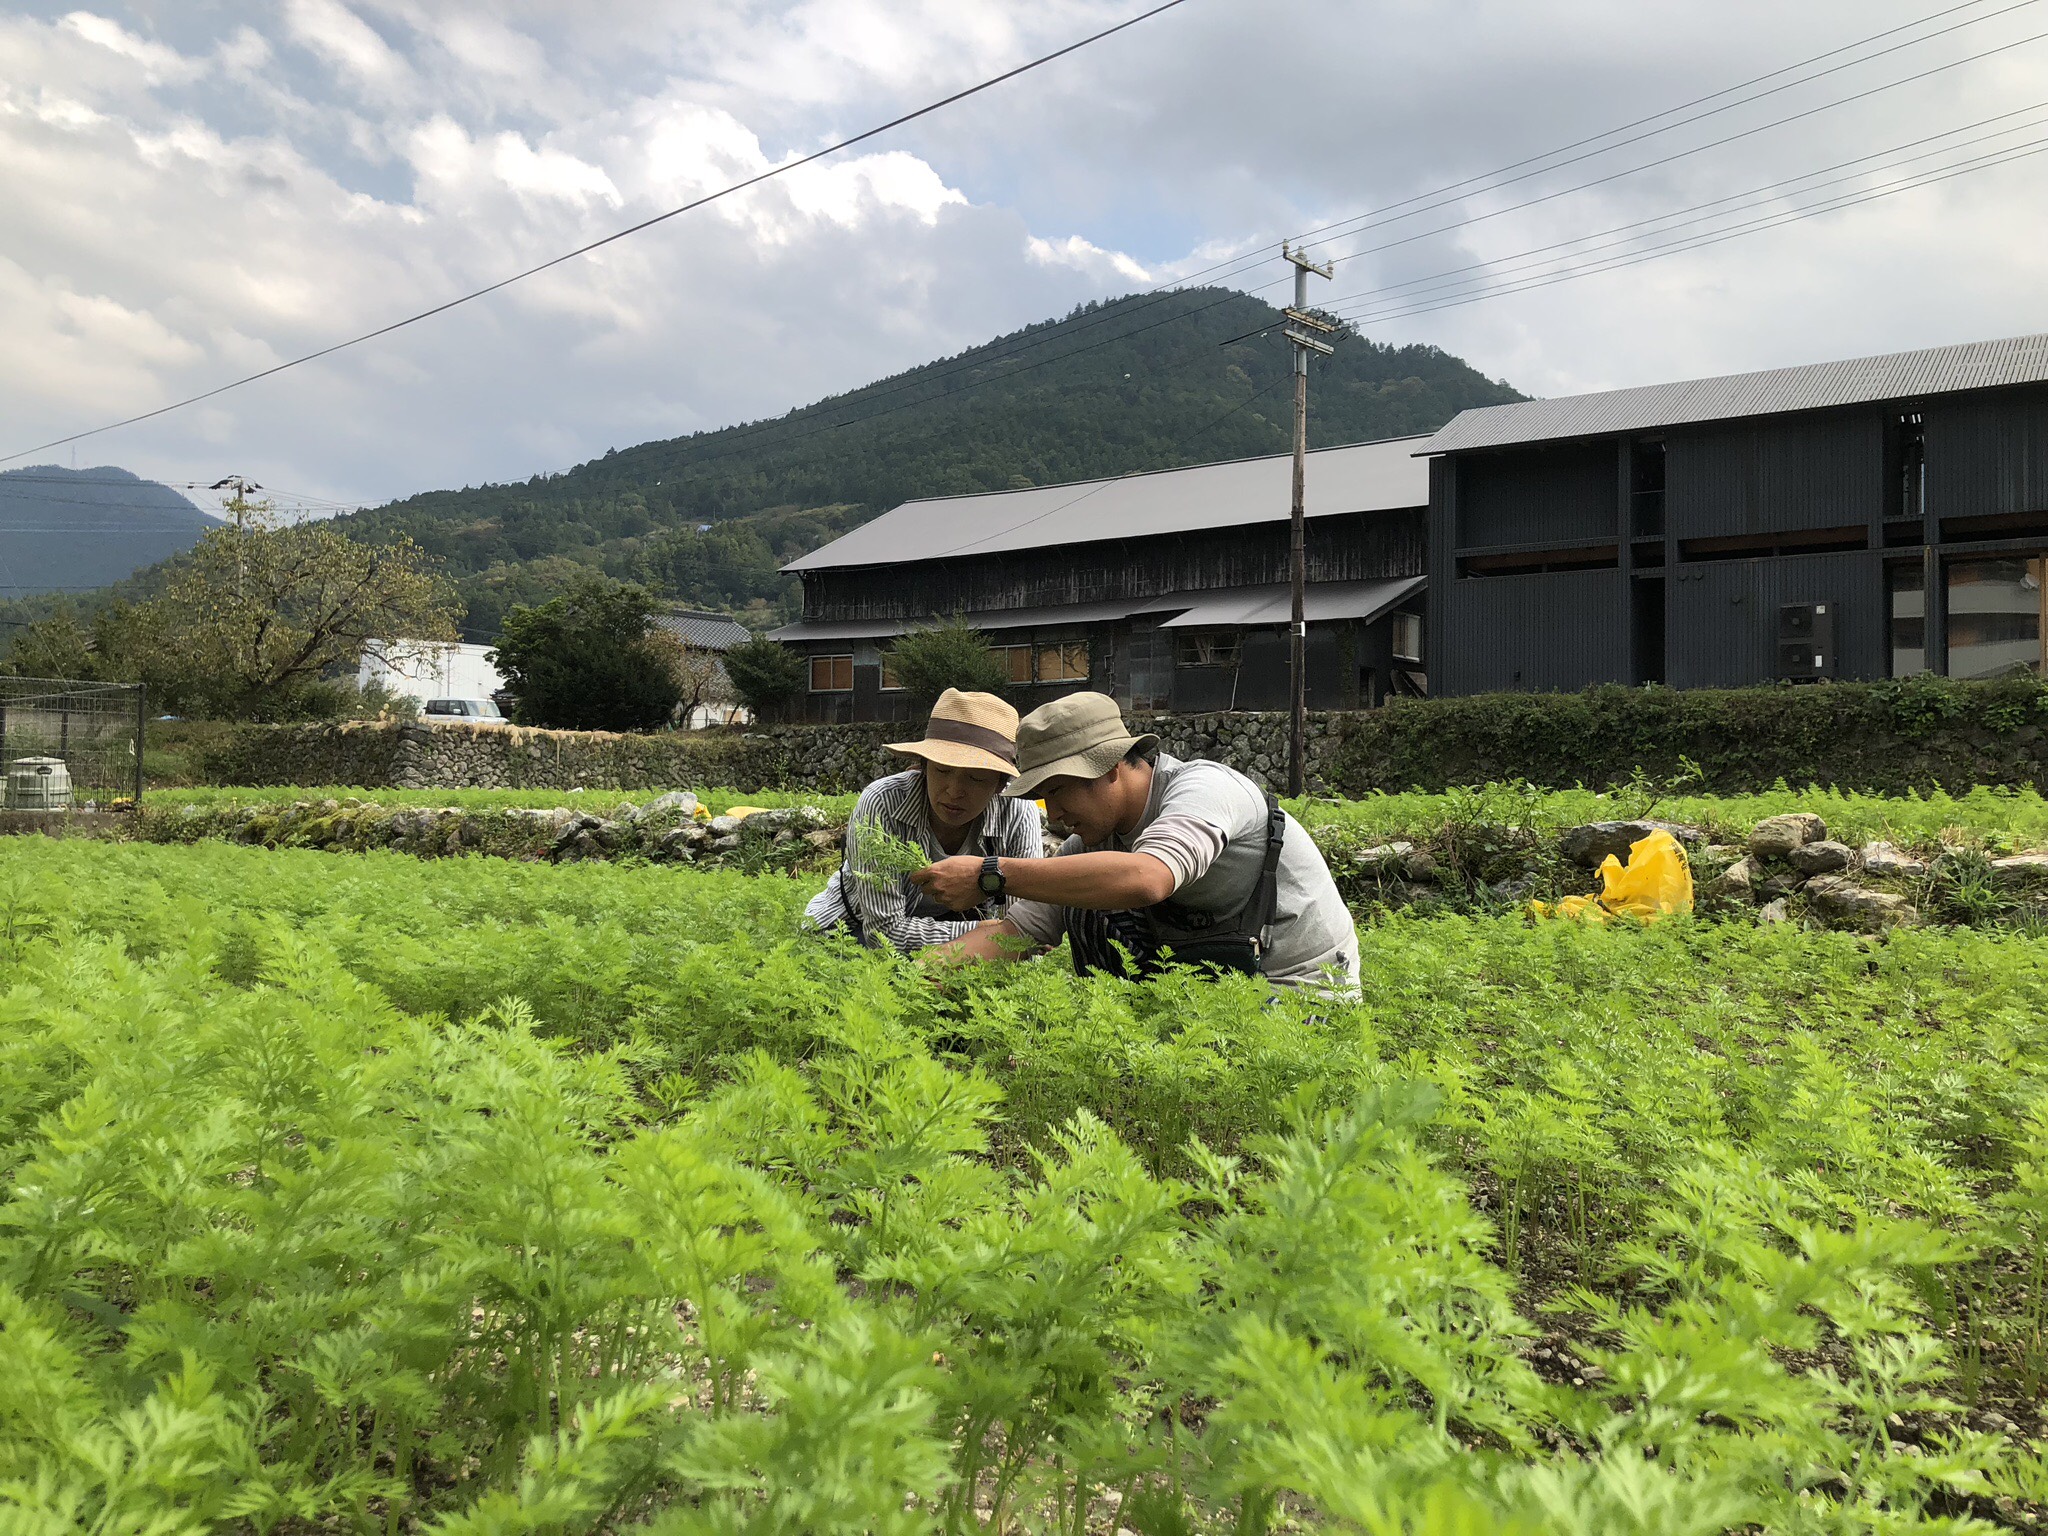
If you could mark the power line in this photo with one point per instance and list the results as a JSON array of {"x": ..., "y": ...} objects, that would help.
[
  {"x": 683, "y": 455},
  {"x": 1826, "y": 106},
  {"x": 1228, "y": 267},
  {"x": 2022, "y": 152},
  {"x": 631, "y": 229},
  {"x": 1784, "y": 186},
  {"x": 1697, "y": 117}
]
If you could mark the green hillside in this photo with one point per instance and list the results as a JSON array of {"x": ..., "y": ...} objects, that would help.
[
  {"x": 66, "y": 530},
  {"x": 1143, "y": 382}
]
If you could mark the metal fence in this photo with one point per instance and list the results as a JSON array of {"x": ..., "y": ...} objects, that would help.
[{"x": 93, "y": 729}]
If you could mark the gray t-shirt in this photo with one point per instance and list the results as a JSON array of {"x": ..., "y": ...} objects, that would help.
[{"x": 1207, "y": 823}]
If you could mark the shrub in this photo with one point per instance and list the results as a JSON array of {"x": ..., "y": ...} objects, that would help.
[
  {"x": 765, "y": 674},
  {"x": 1885, "y": 737},
  {"x": 949, "y": 655},
  {"x": 584, "y": 661}
]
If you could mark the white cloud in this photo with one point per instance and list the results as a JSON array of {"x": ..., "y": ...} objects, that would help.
[
  {"x": 158, "y": 63},
  {"x": 196, "y": 192},
  {"x": 1085, "y": 256},
  {"x": 343, "y": 38}
]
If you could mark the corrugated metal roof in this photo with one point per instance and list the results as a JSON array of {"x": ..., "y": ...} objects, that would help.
[
  {"x": 1365, "y": 477},
  {"x": 704, "y": 631},
  {"x": 1895, "y": 376},
  {"x": 1321, "y": 602}
]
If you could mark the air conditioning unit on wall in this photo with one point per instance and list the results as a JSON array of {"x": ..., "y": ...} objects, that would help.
[{"x": 1806, "y": 641}]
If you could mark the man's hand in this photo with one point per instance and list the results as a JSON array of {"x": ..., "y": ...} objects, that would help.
[{"x": 954, "y": 883}]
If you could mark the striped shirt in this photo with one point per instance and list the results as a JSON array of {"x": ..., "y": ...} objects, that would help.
[{"x": 897, "y": 911}]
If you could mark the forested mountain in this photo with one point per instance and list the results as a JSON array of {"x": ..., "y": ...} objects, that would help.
[
  {"x": 1144, "y": 382},
  {"x": 66, "y": 530}
]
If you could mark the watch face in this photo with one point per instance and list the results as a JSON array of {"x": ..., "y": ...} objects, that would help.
[{"x": 992, "y": 883}]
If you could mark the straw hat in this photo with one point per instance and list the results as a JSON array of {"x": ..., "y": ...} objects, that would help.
[
  {"x": 968, "y": 730},
  {"x": 1081, "y": 736}
]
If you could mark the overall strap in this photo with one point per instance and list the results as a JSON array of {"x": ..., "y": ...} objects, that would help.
[{"x": 1259, "y": 912}]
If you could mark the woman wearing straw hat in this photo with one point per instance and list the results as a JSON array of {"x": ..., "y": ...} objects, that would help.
[{"x": 948, "y": 805}]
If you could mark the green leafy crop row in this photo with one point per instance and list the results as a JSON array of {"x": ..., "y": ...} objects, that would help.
[{"x": 360, "y": 1192}]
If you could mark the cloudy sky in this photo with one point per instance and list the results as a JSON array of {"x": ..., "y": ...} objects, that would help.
[{"x": 191, "y": 190}]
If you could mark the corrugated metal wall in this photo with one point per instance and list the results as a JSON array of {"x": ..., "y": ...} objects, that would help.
[
  {"x": 1770, "y": 476},
  {"x": 1988, "y": 456},
  {"x": 1537, "y": 495},
  {"x": 1722, "y": 617},
  {"x": 1562, "y": 630}
]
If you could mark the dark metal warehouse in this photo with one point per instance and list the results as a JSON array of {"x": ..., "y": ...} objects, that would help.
[
  {"x": 1166, "y": 590},
  {"x": 1863, "y": 519}
]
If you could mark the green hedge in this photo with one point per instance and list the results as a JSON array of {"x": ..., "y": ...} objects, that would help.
[{"x": 1885, "y": 738}]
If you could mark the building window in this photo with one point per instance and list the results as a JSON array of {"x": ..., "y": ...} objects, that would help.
[
  {"x": 1646, "y": 489},
  {"x": 1906, "y": 588},
  {"x": 1064, "y": 661},
  {"x": 1408, "y": 637},
  {"x": 1995, "y": 618},
  {"x": 831, "y": 674},
  {"x": 1016, "y": 660},
  {"x": 891, "y": 683},
  {"x": 1216, "y": 648}
]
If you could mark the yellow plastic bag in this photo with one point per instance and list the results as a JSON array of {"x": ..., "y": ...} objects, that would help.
[
  {"x": 1656, "y": 880},
  {"x": 742, "y": 812}
]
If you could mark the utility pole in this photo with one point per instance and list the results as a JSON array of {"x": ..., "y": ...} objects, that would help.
[
  {"x": 1300, "y": 324},
  {"x": 239, "y": 507}
]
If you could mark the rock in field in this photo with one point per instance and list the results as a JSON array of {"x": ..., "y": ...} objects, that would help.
[
  {"x": 2022, "y": 869},
  {"x": 1884, "y": 859},
  {"x": 1776, "y": 836},
  {"x": 1383, "y": 856},
  {"x": 1821, "y": 858},
  {"x": 1739, "y": 879},
  {"x": 1779, "y": 911},
  {"x": 1590, "y": 844},
  {"x": 1843, "y": 899}
]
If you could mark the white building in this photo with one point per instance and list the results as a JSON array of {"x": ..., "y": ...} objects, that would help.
[{"x": 430, "y": 669}]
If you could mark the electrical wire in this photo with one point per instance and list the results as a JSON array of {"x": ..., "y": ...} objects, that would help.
[
  {"x": 1765, "y": 192},
  {"x": 739, "y": 443},
  {"x": 2023, "y": 152},
  {"x": 1634, "y": 170},
  {"x": 631, "y": 229},
  {"x": 1775, "y": 90}
]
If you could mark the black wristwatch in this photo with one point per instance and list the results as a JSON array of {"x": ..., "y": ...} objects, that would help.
[{"x": 992, "y": 881}]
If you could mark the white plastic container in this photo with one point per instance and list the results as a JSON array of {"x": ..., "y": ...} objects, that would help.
[{"x": 38, "y": 784}]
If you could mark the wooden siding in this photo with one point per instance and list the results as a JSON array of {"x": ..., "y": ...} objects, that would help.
[
  {"x": 1987, "y": 456},
  {"x": 1722, "y": 617},
  {"x": 1531, "y": 633},
  {"x": 1560, "y": 494},
  {"x": 1359, "y": 547},
  {"x": 1824, "y": 471}
]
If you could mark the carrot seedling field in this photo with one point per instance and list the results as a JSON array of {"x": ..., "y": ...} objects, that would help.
[{"x": 365, "y": 1193}]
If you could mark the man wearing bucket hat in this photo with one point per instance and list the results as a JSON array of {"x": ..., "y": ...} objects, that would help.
[
  {"x": 1169, "y": 861},
  {"x": 946, "y": 805}
]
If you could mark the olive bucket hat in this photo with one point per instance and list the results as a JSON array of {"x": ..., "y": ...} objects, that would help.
[
  {"x": 968, "y": 730},
  {"x": 1081, "y": 736}
]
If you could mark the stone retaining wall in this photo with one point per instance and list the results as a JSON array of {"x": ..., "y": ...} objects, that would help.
[{"x": 830, "y": 759}]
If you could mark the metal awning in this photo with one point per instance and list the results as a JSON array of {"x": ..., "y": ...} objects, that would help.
[
  {"x": 994, "y": 621},
  {"x": 1248, "y": 607}
]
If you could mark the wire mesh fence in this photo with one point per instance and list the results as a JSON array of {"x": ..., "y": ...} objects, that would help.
[{"x": 68, "y": 745}]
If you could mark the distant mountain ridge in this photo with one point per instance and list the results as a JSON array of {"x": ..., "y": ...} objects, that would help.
[
  {"x": 1139, "y": 383},
  {"x": 68, "y": 530}
]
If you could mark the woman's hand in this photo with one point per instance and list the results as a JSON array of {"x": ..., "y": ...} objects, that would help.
[{"x": 954, "y": 883}]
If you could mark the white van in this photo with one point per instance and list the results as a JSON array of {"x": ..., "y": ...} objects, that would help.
[{"x": 465, "y": 711}]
